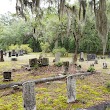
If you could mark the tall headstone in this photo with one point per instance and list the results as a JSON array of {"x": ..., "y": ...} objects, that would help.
[
  {"x": 29, "y": 96},
  {"x": 66, "y": 66},
  {"x": 71, "y": 89},
  {"x": 1, "y": 56},
  {"x": 13, "y": 53},
  {"x": 57, "y": 56},
  {"x": 9, "y": 54},
  {"x": 81, "y": 56}
]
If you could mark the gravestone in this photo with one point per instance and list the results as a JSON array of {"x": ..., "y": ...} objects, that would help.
[
  {"x": 96, "y": 61},
  {"x": 7, "y": 76},
  {"x": 33, "y": 62},
  {"x": 104, "y": 65},
  {"x": 13, "y": 53},
  {"x": 81, "y": 57},
  {"x": 20, "y": 52},
  {"x": 91, "y": 57},
  {"x": 16, "y": 54},
  {"x": 71, "y": 89},
  {"x": 45, "y": 61},
  {"x": 1, "y": 56},
  {"x": 9, "y": 54},
  {"x": 66, "y": 66},
  {"x": 13, "y": 59},
  {"x": 29, "y": 99},
  {"x": 57, "y": 56}
]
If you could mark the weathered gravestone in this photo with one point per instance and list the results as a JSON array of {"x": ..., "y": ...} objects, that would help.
[
  {"x": 1, "y": 56},
  {"x": 96, "y": 61},
  {"x": 33, "y": 62},
  {"x": 66, "y": 66},
  {"x": 104, "y": 65},
  {"x": 13, "y": 53},
  {"x": 20, "y": 52},
  {"x": 57, "y": 56},
  {"x": 91, "y": 57},
  {"x": 71, "y": 89},
  {"x": 7, "y": 76},
  {"x": 81, "y": 57},
  {"x": 45, "y": 62},
  {"x": 9, "y": 54},
  {"x": 29, "y": 96}
]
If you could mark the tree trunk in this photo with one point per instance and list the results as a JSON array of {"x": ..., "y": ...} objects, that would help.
[
  {"x": 75, "y": 54},
  {"x": 71, "y": 88},
  {"x": 29, "y": 96}
]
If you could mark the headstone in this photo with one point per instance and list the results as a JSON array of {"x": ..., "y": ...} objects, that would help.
[
  {"x": 13, "y": 59},
  {"x": 45, "y": 61},
  {"x": 1, "y": 56},
  {"x": 96, "y": 61},
  {"x": 66, "y": 66},
  {"x": 13, "y": 53},
  {"x": 104, "y": 65},
  {"x": 20, "y": 52},
  {"x": 29, "y": 96},
  {"x": 7, "y": 76},
  {"x": 33, "y": 62},
  {"x": 81, "y": 57},
  {"x": 9, "y": 54},
  {"x": 71, "y": 89},
  {"x": 16, "y": 54},
  {"x": 91, "y": 57},
  {"x": 109, "y": 55},
  {"x": 57, "y": 57}
]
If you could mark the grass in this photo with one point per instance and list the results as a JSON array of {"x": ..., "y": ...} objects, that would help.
[{"x": 91, "y": 90}]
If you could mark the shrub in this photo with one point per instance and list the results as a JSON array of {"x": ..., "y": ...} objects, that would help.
[
  {"x": 108, "y": 85},
  {"x": 26, "y": 48},
  {"x": 59, "y": 64},
  {"x": 14, "y": 47},
  {"x": 91, "y": 69},
  {"x": 45, "y": 47},
  {"x": 61, "y": 50}
]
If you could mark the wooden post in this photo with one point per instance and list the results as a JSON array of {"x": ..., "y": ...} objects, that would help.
[
  {"x": 71, "y": 89},
  {"x": 29, "y": 96}
]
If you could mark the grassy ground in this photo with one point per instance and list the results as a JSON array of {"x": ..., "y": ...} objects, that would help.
[{"x": 90, "y": 91}]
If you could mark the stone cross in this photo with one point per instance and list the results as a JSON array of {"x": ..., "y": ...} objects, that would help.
[
  {"x": 71, "y": 89},
  {"x": 29, "y": 96}
]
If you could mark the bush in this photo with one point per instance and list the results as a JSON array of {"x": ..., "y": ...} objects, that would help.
[
  {"x": 61, "y": 50},
  {"x": 45, "y": 47},
  {"x": 59, "y": 64},
  {"x": 108, "y": 85},
  {"x": 26, "y": 48},
  {"x": 91, "y": 69},
  {"x": 14, "y": 47}
]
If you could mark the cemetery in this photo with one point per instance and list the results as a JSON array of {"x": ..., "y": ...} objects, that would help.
[{"x": 55, "y": 55}]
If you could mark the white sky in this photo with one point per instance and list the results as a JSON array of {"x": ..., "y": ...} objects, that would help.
[{"x": 9, "y": 5}]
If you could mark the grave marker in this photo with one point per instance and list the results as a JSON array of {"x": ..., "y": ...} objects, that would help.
[{"x": 1, "y": 56}]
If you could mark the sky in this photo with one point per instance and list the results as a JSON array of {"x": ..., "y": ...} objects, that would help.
[{"x": 9, "y": 5}]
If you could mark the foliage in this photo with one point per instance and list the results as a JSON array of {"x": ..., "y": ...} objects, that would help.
[
  {"x": 108, "y": 86},
  {"x": 26, "y": 48},
  {"x": 58, "y": 64},
  {"x": 91, "y": 69},
  {"x": 14, "y": 47},
  {"x": 44, "y": 46},
  {"x": 17, "y": 47},
  {"x": 61, "y": 50}
]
